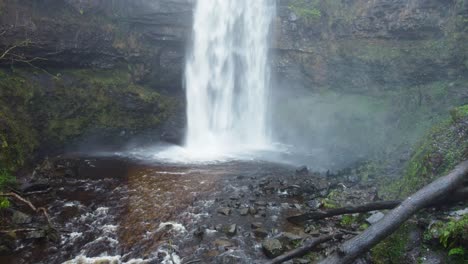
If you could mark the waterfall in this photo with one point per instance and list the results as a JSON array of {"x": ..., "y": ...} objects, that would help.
[{"x": 227, "y": 76}]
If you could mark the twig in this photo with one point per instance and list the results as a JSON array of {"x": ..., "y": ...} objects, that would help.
[{"x": 30, "y": 205}]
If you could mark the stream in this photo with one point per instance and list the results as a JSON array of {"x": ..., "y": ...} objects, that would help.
[{"x": 125, "y": 210}]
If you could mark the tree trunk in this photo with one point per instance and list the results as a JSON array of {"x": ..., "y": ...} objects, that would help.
[{"x": 444, "y": 186}]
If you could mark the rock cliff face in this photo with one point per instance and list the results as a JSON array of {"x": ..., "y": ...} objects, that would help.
[
  {"x": 354, "y": 66},
  {"x": 372, "y": 76}
]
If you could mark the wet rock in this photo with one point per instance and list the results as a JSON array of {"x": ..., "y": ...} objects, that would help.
[
  {"x": 36, "y": 186},
  {"x": 301, "y": 261},
  {"x": 314, "y": 204},
  {"x": 199, "y": 232},
  {"x": 256, "y": 225},
  {"x": 260, "y": 233},
  {"x": 228, "y": 259},
  {"x": 230, "y": 230},
  {"x": 261, "y": 203},
  {"x": 19, "y": 218},
  {"x": 431, "y": 257},
  {"x": 224, "y": 211},
  {"x": 252, "y": 210},
  {"x": 36, "y": 234},
  {"x": 459, "y": 213},
  {"x": 223, "y": 244},
  {"x": 374, "y": 218},
  {"x": 290, "y": 237},
  {"x": 7, "y": 244},
  {"x": 302, "y": 171},
  {"x": 244, "y": 211},
  {"x": 272, "y": 248}
]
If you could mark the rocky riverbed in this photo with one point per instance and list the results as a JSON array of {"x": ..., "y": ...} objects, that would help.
[{"x": 120, "y": 210}]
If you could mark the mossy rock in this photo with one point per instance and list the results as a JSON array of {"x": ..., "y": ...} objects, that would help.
[{"x": 38, "y": 109}]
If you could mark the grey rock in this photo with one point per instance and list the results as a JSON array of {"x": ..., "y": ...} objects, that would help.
[
  {"x": 460, "y": 212},
  {"x": 256, "y": 225},
  {"x": 20, "y": 218},
  {"x": 223, "y": 244},
  {"x": 230, "y": 230},
  {"x": 272, "y": 247},
  {"x": 252, "y": 210},
  {"x": 314, "y": 204},
  {"x": 375, "y": 217},
  {"x": 224, "y": 211},
  {"x": 260, "y": 233},
  {"x": 244, "y": 211}
]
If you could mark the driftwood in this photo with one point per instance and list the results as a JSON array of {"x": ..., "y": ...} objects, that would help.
[
  {"x": 303, "y": 250},
  {"x": 437, "y": 190}
]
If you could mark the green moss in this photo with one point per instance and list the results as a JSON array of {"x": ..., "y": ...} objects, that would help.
[
  {"x": 305, "y": 10},
  {"x": 100, "y": 100},
  {"x": 391, "y": 250},
  {"x": 439, "y": 151},
  {"x": 459, "y": 113},
  {"x": 17, "y": 136},
  {"x": 77, "y": 102}
]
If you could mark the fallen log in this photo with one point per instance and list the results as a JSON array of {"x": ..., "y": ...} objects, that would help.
[
  {"x": 430, "y": 194},
  {"x": 381, "y": 205},
  {"x": 458, "y": 195},
  {"x": 303, "y": 250}
]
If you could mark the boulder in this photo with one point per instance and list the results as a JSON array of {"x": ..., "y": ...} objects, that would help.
[{"x": 272, "y": 248}]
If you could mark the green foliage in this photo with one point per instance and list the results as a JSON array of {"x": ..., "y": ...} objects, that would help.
[
  {"x": 328, "y": 203},
  {"x": 458, "y": 251},
  {"x": 454, "y": 232},
  {"x": 304, "y": 9},
  {"x": 391, "y": 250},
  {"x": 17, "y": 137},
  {"x": 440, "y": 151},
  {"x": 4, "y": 203},
  {"x": 453, "y": 235},
  {"x": 6, "y": 179}
]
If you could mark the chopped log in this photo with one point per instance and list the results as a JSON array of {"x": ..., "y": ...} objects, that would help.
[
  {"x": 381, "y": 205},
  {"x": 303, "y": 250},
  {"x": 430, "y": 194}
]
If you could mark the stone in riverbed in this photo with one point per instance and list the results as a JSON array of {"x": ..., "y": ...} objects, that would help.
[
  {"x": 252, "y": 210},
  {"x": 260, "y": 233},
  {"x": 256, "y": 225},
  {"x": 230, "y": 230},
  {"x": 223, "y": 244},
  {"x": 272, "y": 248},
  {"x": 244, "y": 211},
  {"x": 224, "y": 211}
]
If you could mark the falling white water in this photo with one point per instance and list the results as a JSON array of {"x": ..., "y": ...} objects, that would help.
[{"x": 227, "y": 77}]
